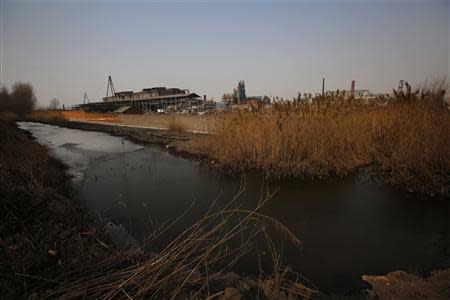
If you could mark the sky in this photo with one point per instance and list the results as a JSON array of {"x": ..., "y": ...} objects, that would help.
[{"x": 280, "y": 48}]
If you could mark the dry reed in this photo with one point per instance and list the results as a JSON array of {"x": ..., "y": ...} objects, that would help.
[
  {"x": 190, "y": 266},
  {"x": 68, "y": 115},
  {"x": 45, "y": 116},
  {"x": 406, "y": 136},
  {"x": 175, "y": 124}
]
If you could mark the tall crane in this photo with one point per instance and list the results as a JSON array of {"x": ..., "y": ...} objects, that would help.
[
  {"x": 85, "y": 98},
  {"x": 110, "y": 88}
]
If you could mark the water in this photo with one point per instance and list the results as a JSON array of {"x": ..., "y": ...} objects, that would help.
[{"x": 349, "y": 226}]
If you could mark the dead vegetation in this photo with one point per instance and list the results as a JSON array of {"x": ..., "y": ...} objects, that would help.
[
  {"x": 49, "y": 116},
  {"x": 46, "y": 116},
  {"x": 406, "y": 137},
  {"x": 175, "y": 124},
  {"x": 194, "y": 265}
]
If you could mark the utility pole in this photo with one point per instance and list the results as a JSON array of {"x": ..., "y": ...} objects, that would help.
[{"x": 323, "y": 86}]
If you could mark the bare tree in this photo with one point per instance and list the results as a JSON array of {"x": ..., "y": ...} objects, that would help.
[
  {"x": 54, "y": 104},
  {"x": 22, "y": 97},
  {"x": 5, "y": 99}
]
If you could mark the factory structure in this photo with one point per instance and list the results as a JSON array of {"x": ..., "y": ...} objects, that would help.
[
  {"x": 162, "y": 99},
  {"x": 149, "y": 99},
  {"x": 352, "y": 93},
  {"x": 239, "y": 97}
]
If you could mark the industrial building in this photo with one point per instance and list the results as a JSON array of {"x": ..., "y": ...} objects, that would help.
[
  {"x": 149, "y": 99},
  {"x": 352, "y": 93},
  {"x": 239, "y": 97}
]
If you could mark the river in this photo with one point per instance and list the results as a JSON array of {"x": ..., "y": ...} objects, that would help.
[{"x": 350, "y": 226}]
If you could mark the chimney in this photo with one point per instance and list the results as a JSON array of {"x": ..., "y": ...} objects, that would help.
[
  {"x": 352, "y": 91},
  {"x": 204, "y": 97}
]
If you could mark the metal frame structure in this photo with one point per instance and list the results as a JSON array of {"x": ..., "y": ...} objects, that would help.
[{"x": 181, "y": 101}]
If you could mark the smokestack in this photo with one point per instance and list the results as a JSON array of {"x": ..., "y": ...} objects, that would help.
[
  {"x": 323, "y": 86},
  {"x": 204, "y": 97},
  {"x": 352, "y": 91}
]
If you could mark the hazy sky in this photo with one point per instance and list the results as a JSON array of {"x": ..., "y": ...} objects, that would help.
[{"x": 278, "y": 47}]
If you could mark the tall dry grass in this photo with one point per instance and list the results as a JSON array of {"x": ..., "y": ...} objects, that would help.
[
  {"x": 407, "y": 136},
  {"x": 70, "y": 115},
  {"x": 413, "y": 141},
  {"x": 45, "y": 116},
  {"x": 175, "y": 124}
]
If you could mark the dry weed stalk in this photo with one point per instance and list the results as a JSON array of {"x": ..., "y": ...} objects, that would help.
[{"x": 188, "y": 267}]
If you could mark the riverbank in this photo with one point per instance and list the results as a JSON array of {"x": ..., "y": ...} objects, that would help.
[
  {"x": 118, "y": 267},
  {"x": 52, "y": 248},
  {"x": 44, "y": 235},
  {"x": 181, "y": 143}
]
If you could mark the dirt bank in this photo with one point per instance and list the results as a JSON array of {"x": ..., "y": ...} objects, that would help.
[
  {"x": 43, "y": 234},
  {"x": 180, "y": 143}
]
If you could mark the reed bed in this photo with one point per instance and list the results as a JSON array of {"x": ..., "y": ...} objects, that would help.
[
  {"x": 45, "y": 116},
  {"x": 90, "y": 116},
  {"x": 175, "y": 124},
  {"x": 406, "y": 138},
  {"x": 66, "y": 115},
  {"x": 193, "y": 265}
]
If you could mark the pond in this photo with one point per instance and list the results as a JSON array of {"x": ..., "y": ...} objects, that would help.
[{"x": 350, "y": 226}]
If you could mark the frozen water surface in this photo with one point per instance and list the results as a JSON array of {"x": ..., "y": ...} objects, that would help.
[{"x": 77, "y": 148}]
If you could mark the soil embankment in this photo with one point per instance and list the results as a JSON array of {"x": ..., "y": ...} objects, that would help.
[
  {"x": 44, "y": 235},
  {"x": 182, "y": 143}
]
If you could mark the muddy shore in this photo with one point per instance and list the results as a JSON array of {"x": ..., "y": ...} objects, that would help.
[{"x": 179, "y": 143}]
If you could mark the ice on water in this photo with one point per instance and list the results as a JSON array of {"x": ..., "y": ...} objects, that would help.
[{"x": 77, "y": 148}]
